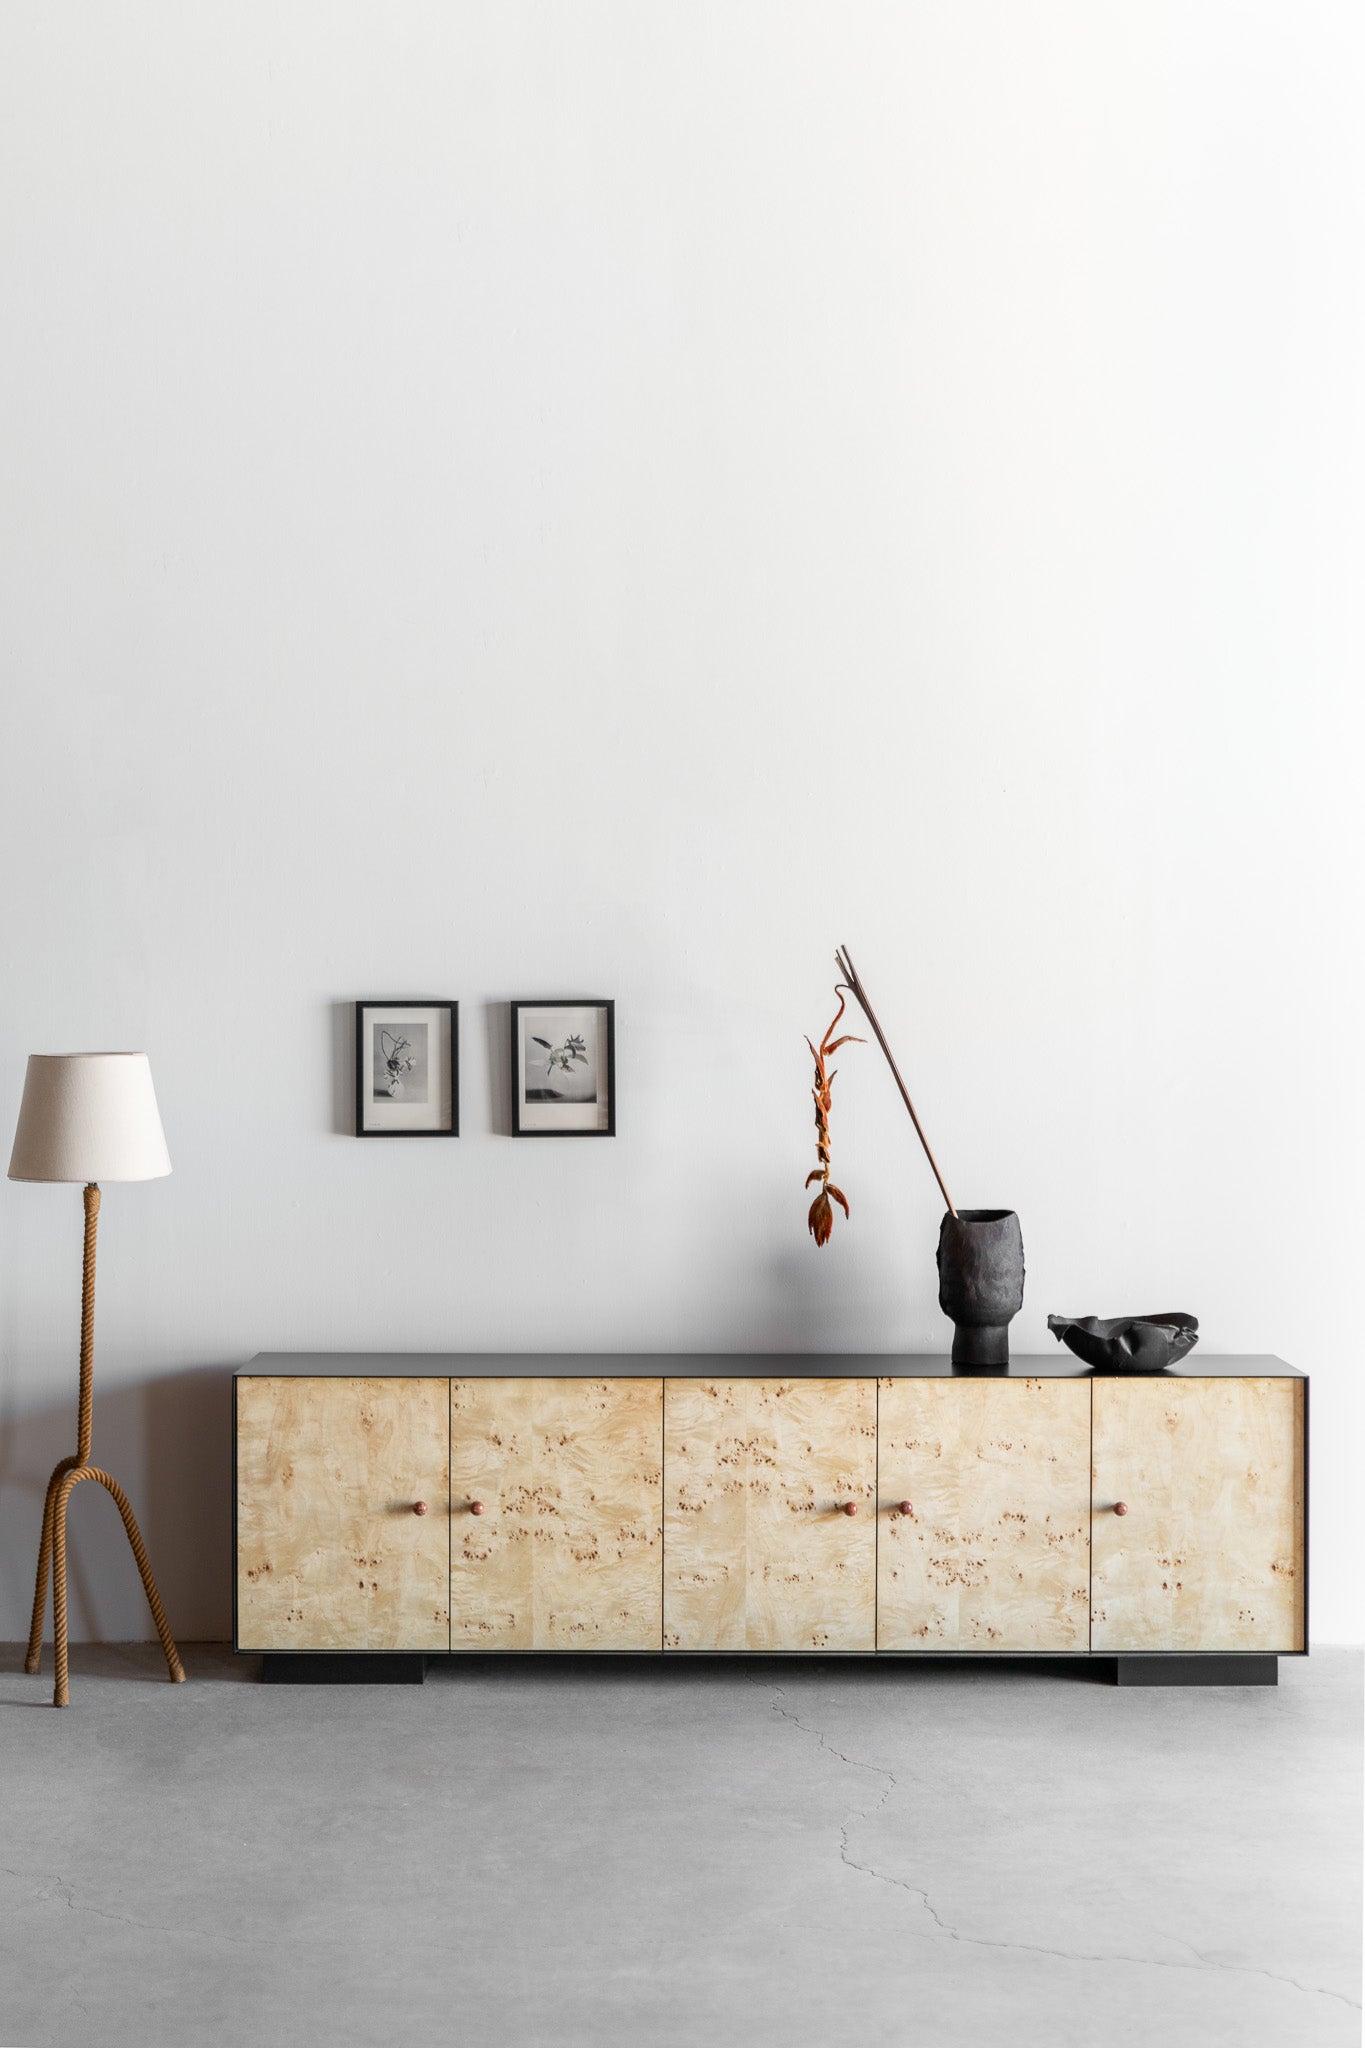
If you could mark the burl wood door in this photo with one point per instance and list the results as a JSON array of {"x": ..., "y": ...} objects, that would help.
[
  {"x": 992, "y": 1551},
  {"x": 330, "y": 1553},
  {"x": 1208, "y": 1554},
  {"x": 556, "y": 1510},
  {"x": 759, "y": 1553}
]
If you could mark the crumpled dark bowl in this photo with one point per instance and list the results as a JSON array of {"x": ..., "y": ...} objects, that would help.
[{"x": 1127, "y": 1343}]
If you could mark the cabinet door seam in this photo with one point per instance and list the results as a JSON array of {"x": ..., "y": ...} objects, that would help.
[
  {"x": 876, "y": 1512},
  {"x": 1090, "y": 1535}
]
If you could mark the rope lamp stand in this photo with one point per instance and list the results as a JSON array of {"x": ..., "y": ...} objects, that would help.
[{"x": 80, "y": 1109}]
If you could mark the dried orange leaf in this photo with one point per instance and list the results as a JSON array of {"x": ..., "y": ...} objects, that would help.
[{"x": 821, "y": 1219}]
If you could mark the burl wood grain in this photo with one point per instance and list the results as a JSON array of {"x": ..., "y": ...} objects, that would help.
[
  {"x": 758, "y": 1554},
  {"x": 994, "y": 1554},
  {"x": 1210, "y": 1553},
  {"x": 566, "y": 1554},
  {"x": 330, "y": 1555}
]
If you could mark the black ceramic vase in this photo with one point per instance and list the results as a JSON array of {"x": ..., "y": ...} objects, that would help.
[{"x": 981, "y": 1282}]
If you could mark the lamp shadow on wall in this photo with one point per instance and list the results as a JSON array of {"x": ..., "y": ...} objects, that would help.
[{"x": 168, "y": 1441}]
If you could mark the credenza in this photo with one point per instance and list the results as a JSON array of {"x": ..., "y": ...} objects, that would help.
[{"x": 388, "y": 1508}]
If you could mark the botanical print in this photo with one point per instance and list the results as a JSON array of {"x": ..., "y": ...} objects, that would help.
[
  {"x": 562, "y": 1082},
  {"x": 400, "y": 1063}
]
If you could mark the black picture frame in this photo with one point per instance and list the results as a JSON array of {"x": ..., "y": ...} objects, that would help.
[
  {"x": 546, "y": 1118},
  {"x": 443, "y": 1073}
]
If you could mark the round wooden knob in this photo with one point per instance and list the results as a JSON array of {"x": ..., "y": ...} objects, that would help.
[
  {"x": 907, "y": 1507},
  {"x": 476, "y": 1507},
  {"x": 419, "y": 1507},
  {"x": 1120, "y": 1507},
  {"x": 850, "y": 1507}
]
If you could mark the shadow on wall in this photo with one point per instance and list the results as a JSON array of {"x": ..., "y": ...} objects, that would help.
[
  {"x": 168, "y": 1443},
  {"x": 342, "y": 1019},
  {"x": 793, "y": 1309},
  {"x": 497, "y": 1026}
]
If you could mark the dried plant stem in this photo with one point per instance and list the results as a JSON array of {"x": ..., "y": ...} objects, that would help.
[
  {"x": 850, "y": 975},
  {"x": 821, "y": 1217}
]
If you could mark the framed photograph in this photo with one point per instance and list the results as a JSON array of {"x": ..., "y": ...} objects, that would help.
[
  {"x": 407, "y": 1070},
  {"x": 564, "y": 1069}
]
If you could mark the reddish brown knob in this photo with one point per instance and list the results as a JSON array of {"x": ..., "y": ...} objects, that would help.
[
  {"x": 1120, "y": 1507},
  {"x": 907, "y": 1507},
  {"x": 419, "y": 1507},
  {"x": 476, "y": 1507},
  {"x": 850, "y": 1507}
]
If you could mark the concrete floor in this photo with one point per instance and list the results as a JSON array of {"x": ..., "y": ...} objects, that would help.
[{"x": 531, "y": 1852}]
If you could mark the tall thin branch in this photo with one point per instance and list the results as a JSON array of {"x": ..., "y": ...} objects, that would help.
[{"x": 850, "y": 974}]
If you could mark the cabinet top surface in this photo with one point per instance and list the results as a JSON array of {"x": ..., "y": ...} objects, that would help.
[{"x": 755, "y": 1365}]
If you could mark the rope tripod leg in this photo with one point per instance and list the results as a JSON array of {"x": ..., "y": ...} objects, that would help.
[
  {"x": 175, "y": 1669},
  {"x": 35, "y": 1632},
  {"x": 61, "y": 1691}
]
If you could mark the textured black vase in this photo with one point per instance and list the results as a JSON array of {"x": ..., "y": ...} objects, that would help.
[{"x": 981, "y": 1282}]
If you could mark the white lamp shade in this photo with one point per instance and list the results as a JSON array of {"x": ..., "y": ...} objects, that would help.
[{"x": 89, "y": 1116}]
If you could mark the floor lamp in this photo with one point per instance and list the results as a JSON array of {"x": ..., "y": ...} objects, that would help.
[{"x": 87, "y": 1117}]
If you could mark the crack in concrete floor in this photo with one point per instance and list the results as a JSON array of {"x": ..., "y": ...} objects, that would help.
[
  {"x": 51, "y": 1889},
  {"x": 1203, "y": 1963}
]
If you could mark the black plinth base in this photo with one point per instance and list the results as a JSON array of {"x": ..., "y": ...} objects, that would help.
[
  {"x": 1197, "y": 1671},
  {"x": 395, "y": 1667},
  {"x": 344, "y": 1667}
]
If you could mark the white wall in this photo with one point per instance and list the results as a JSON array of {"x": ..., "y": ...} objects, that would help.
[{"x": 616, "y": 499}]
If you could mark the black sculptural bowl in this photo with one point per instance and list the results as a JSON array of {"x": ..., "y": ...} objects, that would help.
[{"x": 1127, "y": 1343}]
